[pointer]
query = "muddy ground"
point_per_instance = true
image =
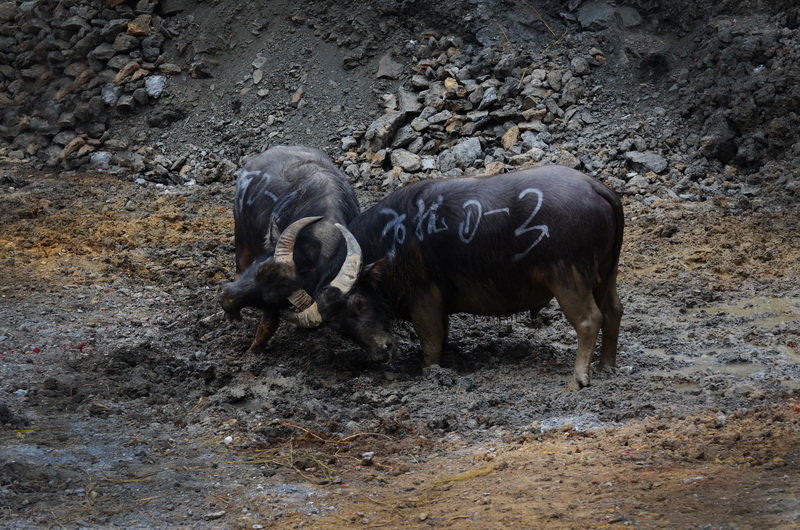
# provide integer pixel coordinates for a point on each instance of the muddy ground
(127, 399)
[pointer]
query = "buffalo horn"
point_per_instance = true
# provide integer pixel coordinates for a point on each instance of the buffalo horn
(284, 248)
(351, 267)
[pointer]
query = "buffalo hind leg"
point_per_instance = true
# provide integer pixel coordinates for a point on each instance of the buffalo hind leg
(583, 314)
(430, 323)
(611, 308)
(266, 329)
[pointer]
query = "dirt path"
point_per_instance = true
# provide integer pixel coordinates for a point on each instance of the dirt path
(125, 398)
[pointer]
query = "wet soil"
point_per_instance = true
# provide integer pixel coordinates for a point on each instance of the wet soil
(126, 398)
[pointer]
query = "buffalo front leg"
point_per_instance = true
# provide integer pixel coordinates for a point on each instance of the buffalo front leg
(583, 314)
(266, 329)
(430, 323)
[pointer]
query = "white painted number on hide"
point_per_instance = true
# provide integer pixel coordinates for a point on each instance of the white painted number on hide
(524, 228)
(435, 223)
(429, 222)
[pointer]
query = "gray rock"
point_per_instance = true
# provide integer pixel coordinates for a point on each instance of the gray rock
(155, 85)
(408, 102)
(348, 142)
(554, 79)
(462, 154)
(440, 117)
(100, 159)
(382, 130)
(419, 124)
(579, 66)
(125, 102)
(103, 52)
(637, 184)
(489, 99)
(646, 161)
(8, 11)
(124, 42)
(405, 135)
(572, 91)
(112, 28)
(601, 14)
(565, 158)
(405, 160)
(110, 94)
(388, 68)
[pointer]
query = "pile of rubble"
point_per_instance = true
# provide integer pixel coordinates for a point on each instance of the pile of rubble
(68, 68)
(485, 110)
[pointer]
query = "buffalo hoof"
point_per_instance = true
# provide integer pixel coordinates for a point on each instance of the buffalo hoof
(578, 382)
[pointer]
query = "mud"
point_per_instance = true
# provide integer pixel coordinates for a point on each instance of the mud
(128, 400)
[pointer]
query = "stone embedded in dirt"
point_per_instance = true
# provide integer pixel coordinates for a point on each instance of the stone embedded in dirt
(140, 26)
(155, 85)
(258, 75)
(600, 14)
(200, 70)
(103, 52)
(565, 158)
(110, 94)
(169, 68)
(388, 68)
(100, 159)
(382, 130)
(297, 98)
(405, 160)
(646, 161)
(124, 42)
(579, 66)
(461, 155)
(510, 138)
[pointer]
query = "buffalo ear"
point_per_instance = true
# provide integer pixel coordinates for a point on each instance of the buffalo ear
(373, 273)
(271, 239)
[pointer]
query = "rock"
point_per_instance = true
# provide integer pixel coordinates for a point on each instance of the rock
(579, 66)
(382, 130)
(646, 161)
(8, 11)
(489, 99)
(408, 102)
(110, 94)
(405, 135)
(510, 138)
(258, 75)
(637, 184)
(112, 28)
(461, 155)
(388, 68)
(554, 79)
(103, 52)
(171, 7)
(100, 159)
(600, 14)
(124, 42)
(155, 85)
(140, 25)
(440, 117)
(405, 160)
(572, 91)
(296, 98)
(140, 96)
(565, 158)
(169, 68)
(125, 103)
(420, 124)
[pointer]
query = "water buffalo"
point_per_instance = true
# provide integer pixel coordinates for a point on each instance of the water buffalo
(278, 193)
(488, 246)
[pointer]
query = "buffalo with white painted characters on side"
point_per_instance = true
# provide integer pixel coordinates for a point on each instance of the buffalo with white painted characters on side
(278, 193)
(492, 245)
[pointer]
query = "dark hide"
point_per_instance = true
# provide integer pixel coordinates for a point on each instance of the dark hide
(284, 184)
(491, 246)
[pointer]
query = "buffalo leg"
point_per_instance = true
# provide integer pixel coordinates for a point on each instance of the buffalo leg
(582, 312)
(430, 322)
(612, 315)
(266, 329)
